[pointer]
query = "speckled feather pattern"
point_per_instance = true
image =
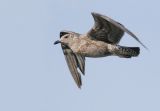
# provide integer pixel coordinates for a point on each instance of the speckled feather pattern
(100, 41)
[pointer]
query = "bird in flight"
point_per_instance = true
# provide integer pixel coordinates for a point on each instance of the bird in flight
(100, 41)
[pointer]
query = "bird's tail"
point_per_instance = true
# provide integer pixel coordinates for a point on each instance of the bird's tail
(126, 52)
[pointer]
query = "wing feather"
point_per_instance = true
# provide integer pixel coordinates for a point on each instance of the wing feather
(74, 61)
(109, 30)
(81, 63)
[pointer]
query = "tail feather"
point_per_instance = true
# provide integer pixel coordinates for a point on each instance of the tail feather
(127, 52)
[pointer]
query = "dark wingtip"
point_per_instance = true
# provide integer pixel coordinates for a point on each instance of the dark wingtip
(145, 47)
(79, 86)
(94, 14)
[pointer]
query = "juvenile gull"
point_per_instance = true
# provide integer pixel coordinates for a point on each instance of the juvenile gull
(102, 40)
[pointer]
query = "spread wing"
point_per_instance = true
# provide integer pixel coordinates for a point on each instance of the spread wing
(108, 30)
(74, 62)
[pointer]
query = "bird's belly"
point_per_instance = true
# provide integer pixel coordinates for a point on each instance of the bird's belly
(94, 51)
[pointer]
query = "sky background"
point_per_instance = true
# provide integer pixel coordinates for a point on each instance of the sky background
(33, 72)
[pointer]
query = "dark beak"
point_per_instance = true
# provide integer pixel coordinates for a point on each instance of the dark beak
(56, 42)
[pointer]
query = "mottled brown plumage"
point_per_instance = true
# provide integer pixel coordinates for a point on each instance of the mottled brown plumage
(102, 40)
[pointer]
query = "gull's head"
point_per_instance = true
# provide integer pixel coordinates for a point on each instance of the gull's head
(66, 38)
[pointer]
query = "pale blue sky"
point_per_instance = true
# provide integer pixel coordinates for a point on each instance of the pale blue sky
(33, 72)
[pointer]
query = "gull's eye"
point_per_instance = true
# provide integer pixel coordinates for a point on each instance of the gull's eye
(66, 37)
